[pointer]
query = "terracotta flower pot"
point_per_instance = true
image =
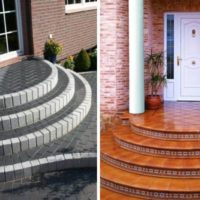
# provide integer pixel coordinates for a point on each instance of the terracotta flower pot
(153, 102)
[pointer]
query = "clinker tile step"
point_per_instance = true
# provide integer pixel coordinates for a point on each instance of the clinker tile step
(135, 162)
(148, 187)
(128, 139)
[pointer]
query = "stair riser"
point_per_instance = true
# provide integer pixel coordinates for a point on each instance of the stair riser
(158, 152)
(166, 135)
(148, 194)
(151, 171)
(44, 165)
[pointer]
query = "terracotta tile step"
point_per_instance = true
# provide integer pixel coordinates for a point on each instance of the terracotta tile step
(111, 195)
(148, 187)
(126, 138)
(112, 154)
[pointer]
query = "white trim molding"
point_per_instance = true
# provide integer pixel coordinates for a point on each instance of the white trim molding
(79, 7)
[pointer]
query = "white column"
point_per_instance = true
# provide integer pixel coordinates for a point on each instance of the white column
(136, 56)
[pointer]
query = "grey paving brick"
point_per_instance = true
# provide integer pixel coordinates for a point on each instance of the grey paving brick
(36, 116)
(31, 140)
(16, 99)
(35, 165)
(2, 103)
(29, 117)
(23, 98)
(2, 174)
(42, 112)
(9, 172)
(27, 168)
(60, 162)
(1, 148)
(58, 129)
(47, 110)
(46, 135)
(18, 171)
(35, 93)
(24, 143)
(21, 119)
(29, 95)
(7, 147)
(8, 101)
(39, 138)
(6, 123)
(14, 121)
(64, 126)
(52, 132)
(15, 145)
(52, 163)
(43, 165)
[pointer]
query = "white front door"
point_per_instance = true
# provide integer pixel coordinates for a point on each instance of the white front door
(187, 56)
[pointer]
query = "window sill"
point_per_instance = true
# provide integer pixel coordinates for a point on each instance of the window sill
(79, 8)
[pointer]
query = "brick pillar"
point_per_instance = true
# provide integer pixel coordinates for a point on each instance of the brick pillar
(136, 56)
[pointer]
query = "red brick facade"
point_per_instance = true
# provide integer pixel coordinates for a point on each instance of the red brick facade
(114, 45)
(74, 31)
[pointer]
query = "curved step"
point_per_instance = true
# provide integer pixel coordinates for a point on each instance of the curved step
(42, 111)
(146, 164)
(63, 123)
(75, 149)
(42, 165)
(174, 120)
(127, 139)
(148, 187)
(30, 91)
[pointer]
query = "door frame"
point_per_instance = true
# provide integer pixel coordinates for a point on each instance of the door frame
(172, 91)
(19, 52)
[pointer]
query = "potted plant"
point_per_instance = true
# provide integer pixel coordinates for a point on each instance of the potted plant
(51, 50)
(155, 64)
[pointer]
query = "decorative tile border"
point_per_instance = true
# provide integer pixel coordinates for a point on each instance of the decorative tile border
(165, 135)
(33, 115)
(32, 93)
(149, 194)
(42, 165)
(158, 152)
(53, 131)
(152, 171)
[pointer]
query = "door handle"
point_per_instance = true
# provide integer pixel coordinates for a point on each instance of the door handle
(178, 60)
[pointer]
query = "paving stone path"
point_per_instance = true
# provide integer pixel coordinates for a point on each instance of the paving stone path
(60, 135)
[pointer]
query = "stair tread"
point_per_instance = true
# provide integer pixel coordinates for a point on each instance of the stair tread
(80, 139)
(58, 89)
(111, 149)
(111, 195)
(147, 182)
(125, 133)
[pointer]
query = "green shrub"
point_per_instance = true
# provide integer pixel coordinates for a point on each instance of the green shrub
(82, 62)
(93, 58)
(69, 63)
(52, 48)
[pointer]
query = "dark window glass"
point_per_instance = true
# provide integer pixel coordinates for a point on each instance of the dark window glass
(11, 22)
(170, 46)
(78, 1)
(9, 5)
(3, 48)
(2, 29)
(70, 1)
(13, 42)
(1, 8)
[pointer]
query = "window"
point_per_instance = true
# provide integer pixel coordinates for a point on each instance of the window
(79, 5)
(8, 27)
(170, 46)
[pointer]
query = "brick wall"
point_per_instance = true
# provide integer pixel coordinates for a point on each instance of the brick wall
(114, 45)
(114, 55)
(74, 31)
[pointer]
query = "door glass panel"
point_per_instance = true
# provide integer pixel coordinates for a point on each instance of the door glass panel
(2, 29)
(13, 42)
(3, 48)
(11, 22)
(170, 47)
(9, 5)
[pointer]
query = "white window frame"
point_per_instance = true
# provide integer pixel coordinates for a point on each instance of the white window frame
(78, 7)
(20, 51)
